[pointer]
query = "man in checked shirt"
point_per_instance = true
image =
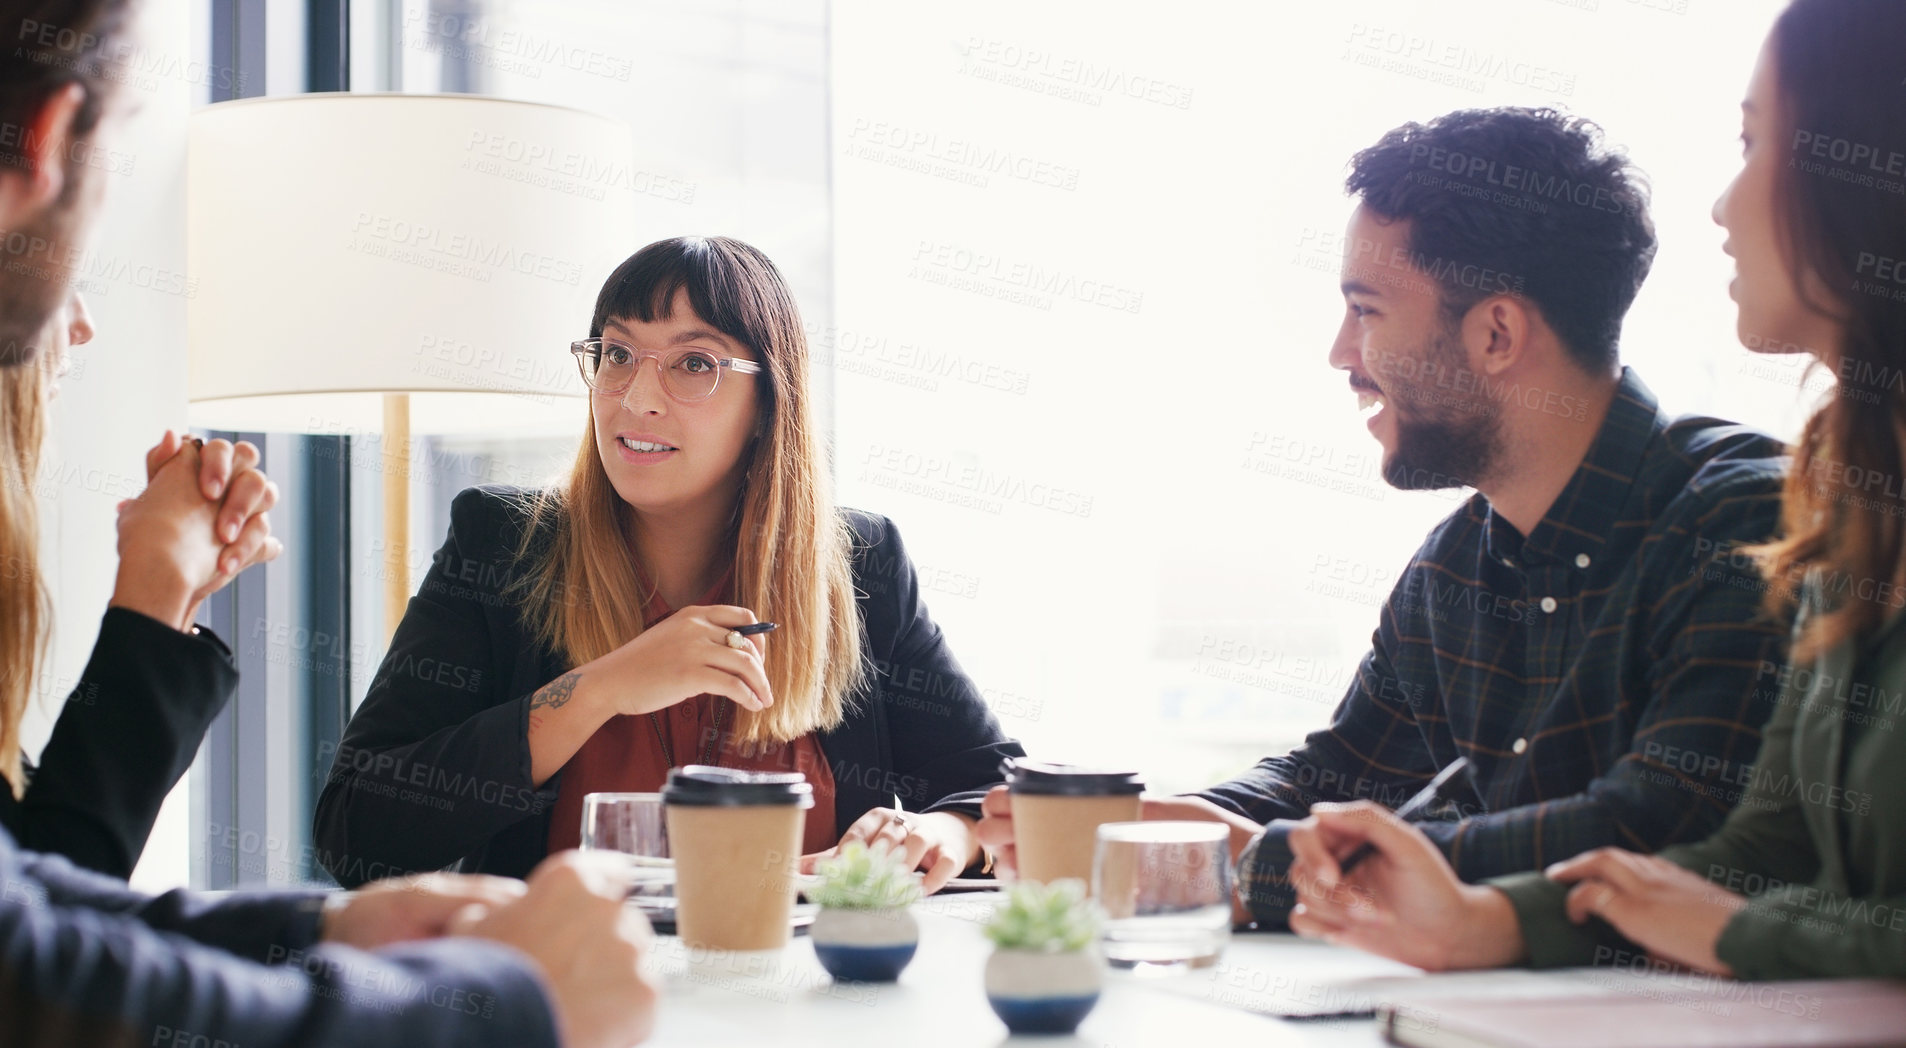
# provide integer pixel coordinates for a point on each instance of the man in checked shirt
(1583, 624)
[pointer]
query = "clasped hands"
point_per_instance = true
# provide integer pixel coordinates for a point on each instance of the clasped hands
(201, 520)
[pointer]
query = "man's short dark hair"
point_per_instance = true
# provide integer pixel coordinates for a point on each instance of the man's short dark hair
(1530, 194)
(48, 44)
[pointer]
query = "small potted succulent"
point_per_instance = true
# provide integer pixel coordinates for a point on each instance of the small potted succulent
(864, 932)
(1045, 973)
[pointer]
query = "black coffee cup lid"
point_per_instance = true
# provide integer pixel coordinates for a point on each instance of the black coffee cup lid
(703, 786)
(1044, 778)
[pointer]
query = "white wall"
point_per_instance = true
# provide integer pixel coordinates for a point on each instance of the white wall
(127, 386)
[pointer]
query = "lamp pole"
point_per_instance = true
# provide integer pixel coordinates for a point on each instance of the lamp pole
(396, 510)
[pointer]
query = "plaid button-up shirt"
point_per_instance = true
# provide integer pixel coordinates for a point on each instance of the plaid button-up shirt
(1607, 676)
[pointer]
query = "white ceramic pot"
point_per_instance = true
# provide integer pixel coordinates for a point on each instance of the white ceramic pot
(1033, 991)
(865, 945)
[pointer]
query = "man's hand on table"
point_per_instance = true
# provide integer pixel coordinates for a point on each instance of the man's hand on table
(404, 909)
(573, 924)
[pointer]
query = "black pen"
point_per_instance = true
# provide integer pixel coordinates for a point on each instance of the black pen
(757, 627)
(1415, 806)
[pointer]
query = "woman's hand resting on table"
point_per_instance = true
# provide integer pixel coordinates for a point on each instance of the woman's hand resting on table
(1672, 912)
(941, 842)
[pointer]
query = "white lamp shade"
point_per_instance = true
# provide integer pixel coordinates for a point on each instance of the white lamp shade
(341, 245)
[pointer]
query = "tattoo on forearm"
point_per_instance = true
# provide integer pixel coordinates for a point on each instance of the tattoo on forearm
(557, 693)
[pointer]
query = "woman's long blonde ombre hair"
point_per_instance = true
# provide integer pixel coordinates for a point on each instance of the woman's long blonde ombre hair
(583, 591)
(25, 609)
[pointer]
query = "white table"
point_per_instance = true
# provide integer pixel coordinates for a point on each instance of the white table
(787, 999)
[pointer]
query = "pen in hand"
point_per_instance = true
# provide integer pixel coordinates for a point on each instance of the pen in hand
(1411, 808)
(757, 627)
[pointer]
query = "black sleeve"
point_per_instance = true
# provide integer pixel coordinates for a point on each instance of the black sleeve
(944, 743)
(436, 760)
(86, 961)
(126, 734)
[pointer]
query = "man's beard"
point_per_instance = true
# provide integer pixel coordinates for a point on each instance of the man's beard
(35, 273)
(1445, 438)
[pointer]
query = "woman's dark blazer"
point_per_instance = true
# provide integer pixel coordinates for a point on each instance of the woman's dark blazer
(124, 738)
(434, 768)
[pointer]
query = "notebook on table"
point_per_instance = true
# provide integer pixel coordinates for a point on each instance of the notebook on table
(1845, 1013)
(1321, 991)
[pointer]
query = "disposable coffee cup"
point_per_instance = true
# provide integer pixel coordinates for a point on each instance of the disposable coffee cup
(736, 839)
(1057, 812)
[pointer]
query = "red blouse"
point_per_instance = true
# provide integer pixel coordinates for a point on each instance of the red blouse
(627, 755)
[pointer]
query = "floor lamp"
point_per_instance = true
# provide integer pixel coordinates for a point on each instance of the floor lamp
(396, 264)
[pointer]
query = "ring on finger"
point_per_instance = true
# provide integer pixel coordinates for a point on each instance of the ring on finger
(1602, 898)
(736, 641)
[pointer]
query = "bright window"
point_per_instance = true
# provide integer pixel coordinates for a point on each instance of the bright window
(1045, 213)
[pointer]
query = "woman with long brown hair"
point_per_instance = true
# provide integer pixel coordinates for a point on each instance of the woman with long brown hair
(137, 713)
(1808, 875)
(583, 638)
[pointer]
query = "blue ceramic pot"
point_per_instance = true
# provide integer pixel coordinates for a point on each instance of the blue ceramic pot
(865, 945)
(1033, 991)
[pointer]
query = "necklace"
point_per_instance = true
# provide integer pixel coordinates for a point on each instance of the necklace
(709, 747)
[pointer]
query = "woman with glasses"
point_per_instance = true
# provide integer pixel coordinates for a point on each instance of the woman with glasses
(1807, 877)
(590, 636)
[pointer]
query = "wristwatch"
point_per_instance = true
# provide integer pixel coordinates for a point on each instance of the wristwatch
(1246, 859)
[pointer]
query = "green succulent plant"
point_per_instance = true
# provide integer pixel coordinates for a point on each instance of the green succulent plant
(863, 878)
(1052, 918)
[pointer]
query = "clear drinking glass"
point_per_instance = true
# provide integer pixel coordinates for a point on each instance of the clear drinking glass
(1165, 888)
(633, 824)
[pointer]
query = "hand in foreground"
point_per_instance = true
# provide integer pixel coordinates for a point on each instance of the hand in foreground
(941, 843)
(406, 908)
(573, 924)
(1672, 912)
(1403, 901)
(995, 832)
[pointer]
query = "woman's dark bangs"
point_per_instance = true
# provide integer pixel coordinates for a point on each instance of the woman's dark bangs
(643, 289)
